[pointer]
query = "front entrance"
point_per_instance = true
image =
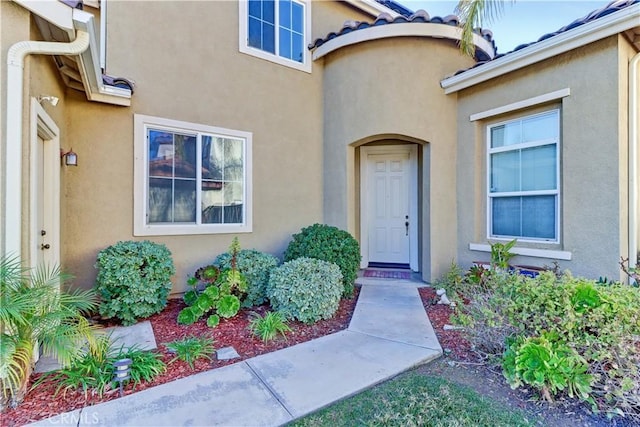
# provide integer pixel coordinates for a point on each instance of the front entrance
(389, 220)
(45, 189)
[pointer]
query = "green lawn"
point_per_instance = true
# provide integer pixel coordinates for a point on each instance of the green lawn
(416, 400)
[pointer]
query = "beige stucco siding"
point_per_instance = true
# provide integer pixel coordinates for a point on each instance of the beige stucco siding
(592, 145)
(190, 69)
(40, 77)
(389, 89)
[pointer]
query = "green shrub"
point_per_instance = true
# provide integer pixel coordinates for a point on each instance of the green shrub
(306, 289)
(256, 267)
(601, 323)
(134, 280)
(269, 326)
(330, 244)
(191, 349)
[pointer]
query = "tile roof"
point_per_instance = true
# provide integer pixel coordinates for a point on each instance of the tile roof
(610, 8)
(418, 17)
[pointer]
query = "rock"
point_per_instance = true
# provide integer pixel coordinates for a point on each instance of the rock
(440, 292)
(451, 328)
(444, 300)
(227, 353)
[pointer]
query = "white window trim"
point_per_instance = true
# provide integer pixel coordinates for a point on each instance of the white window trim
(532, 252)
(556, 192)
(305, 65)
(140, 170)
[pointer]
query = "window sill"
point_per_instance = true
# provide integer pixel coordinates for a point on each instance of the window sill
(532, 252)
(173, 230)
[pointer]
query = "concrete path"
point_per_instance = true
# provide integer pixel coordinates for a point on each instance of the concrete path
(389, 333)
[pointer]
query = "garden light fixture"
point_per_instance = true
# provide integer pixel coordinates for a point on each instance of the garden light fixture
(122, 371)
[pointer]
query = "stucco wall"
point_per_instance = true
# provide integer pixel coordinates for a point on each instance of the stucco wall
(184, 58)
(592, 144)
(384, 88)
(40, 77)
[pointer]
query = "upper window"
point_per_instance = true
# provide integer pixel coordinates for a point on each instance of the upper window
(190, 178)
(276, 30)
(523, 181)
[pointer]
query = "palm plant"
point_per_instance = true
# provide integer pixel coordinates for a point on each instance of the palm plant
(35, 312)
(473, 14)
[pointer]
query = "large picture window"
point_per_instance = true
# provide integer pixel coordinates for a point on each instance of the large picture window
(190, 178)
(276, 30)
(523, 179)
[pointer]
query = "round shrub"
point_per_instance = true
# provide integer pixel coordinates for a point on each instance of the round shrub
(256, 267)
(329, 244)
(306, 289)
(134, 280)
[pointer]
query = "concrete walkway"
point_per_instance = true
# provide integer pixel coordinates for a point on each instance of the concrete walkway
(389, 333)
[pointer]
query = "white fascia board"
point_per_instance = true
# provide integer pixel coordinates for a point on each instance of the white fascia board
(409, 29)
(601, 28)
(55, 12)
(372, 7)
(90, 69)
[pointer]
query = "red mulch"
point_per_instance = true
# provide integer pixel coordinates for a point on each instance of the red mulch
(41, 403)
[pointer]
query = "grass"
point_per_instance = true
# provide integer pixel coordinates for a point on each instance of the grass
(416, 400)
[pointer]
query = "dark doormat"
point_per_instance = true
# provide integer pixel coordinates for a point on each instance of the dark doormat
(387, 274)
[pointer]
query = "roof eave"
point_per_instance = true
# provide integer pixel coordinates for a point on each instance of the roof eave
(372, 7)
(69, 20)
(407, 29)
(590, 32)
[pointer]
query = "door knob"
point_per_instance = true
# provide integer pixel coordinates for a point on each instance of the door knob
(45, 246)
(406, 224)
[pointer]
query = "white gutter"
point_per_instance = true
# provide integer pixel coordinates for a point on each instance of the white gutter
(634, 152)
(12, 237)
(590, 32)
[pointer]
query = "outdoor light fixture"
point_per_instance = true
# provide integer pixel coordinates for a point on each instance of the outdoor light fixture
(70, 158)
(53, 100)
(122, 371)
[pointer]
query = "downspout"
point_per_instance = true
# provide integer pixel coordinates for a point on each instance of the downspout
(634, 137)
(12, 240)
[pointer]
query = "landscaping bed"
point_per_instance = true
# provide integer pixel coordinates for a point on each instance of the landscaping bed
(42, 401)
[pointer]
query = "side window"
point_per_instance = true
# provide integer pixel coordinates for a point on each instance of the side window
(190, 178)
(276, 30)
(523, 179)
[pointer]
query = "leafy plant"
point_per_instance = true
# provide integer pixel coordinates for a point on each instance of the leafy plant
(548, 365)
(600, 323)
(134, 280)
(94, 372)
(501, 254)
(330, 244)
(221, 298)
(256, 267)
(33, 310)
(191, 349)
(267, 327)
(306, 289)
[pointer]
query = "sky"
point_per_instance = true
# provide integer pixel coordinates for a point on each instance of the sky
(522, 21)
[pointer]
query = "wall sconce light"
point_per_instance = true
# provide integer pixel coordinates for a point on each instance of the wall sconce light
(122, 372)
(70, 158)
(53, 100)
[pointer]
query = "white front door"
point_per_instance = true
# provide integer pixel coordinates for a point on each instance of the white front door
(45, 190)
(389, 205)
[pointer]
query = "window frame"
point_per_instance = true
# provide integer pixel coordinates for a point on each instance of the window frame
(243, 17)
(538, 143)
(141, 178)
